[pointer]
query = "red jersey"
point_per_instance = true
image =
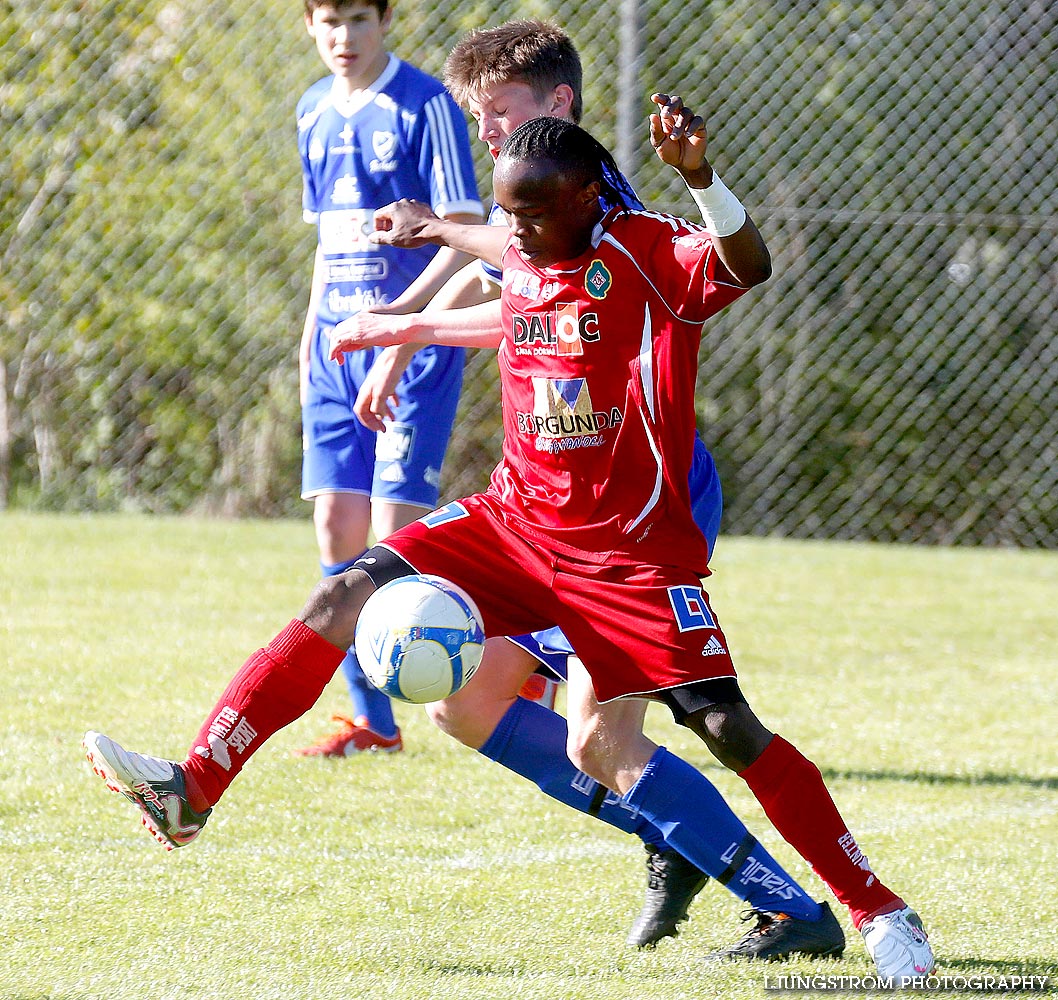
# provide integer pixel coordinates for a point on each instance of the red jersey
(597, 368)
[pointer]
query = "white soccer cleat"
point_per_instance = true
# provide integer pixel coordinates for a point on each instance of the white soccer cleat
(899, 945)
(155, 786)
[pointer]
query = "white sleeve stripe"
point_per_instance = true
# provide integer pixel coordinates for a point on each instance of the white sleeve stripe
(453, 207)
(449, 181)
(455, 172)
(444, 135)
(607, 238)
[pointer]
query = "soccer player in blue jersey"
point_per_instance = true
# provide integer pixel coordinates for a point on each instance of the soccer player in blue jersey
(374, 130)
(505, 76)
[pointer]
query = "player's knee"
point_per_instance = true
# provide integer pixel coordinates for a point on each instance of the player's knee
(452, 720)
(589, 753)
(469, 716)
(327, 518)
(341, 529)
(334, 606)
(733, 734)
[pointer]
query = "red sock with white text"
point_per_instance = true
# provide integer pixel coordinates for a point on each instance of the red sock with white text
(794, 797)
(275, 686)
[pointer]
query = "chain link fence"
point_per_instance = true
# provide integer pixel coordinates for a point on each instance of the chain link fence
(897, 379)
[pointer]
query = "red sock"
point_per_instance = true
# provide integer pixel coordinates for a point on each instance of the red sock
(792, 792)
(275, 686)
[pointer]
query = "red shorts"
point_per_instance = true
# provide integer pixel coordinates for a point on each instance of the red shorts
(637, 629)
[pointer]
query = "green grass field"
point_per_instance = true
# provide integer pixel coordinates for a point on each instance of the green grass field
(922, 681)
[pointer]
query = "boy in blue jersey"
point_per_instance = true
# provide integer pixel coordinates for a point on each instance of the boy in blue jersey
(376, 129)
(505, 76)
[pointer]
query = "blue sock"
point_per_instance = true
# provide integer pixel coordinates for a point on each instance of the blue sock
(368, 701)
(531, 741)
(698, 823)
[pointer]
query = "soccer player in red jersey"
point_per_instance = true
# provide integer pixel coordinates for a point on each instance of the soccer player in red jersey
(586, 523)
(504, 76)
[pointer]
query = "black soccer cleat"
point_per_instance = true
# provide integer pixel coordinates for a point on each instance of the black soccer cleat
(778, 936)
(672, 882)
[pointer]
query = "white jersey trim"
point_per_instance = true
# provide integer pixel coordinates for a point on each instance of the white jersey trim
(452, 207)
(328, 490)
(360, 99)
(447, 174)
(666, 687)
(607, 237)
(656, 494)
(646, 361)
(646, 381)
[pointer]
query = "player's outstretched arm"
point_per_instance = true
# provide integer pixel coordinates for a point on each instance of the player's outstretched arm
(475, 326)
(679, 138)
(411, 224)
(378, 391)
(446, 263)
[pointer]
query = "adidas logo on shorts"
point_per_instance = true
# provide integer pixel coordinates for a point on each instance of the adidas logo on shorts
(714, 647)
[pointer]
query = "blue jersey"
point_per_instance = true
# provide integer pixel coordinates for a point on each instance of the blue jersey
(402, 137)
(619, 181)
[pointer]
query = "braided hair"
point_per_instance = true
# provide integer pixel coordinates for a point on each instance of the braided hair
(570, 147)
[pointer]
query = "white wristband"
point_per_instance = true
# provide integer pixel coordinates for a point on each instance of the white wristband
(722, 212)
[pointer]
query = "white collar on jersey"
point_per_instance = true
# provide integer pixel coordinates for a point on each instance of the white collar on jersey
(603, 224)
(349, 106)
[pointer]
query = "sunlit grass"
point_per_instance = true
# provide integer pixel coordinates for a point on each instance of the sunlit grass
(922, 681)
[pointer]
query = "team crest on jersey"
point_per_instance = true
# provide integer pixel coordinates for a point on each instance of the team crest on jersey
(383, 145)
(561, 332)
(563, 417)
(597, 280)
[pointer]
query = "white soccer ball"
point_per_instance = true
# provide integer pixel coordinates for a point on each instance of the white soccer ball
(419, 638)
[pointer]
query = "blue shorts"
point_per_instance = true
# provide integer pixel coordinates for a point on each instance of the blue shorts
(402, 465)
(551, 647)
(542, 646)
